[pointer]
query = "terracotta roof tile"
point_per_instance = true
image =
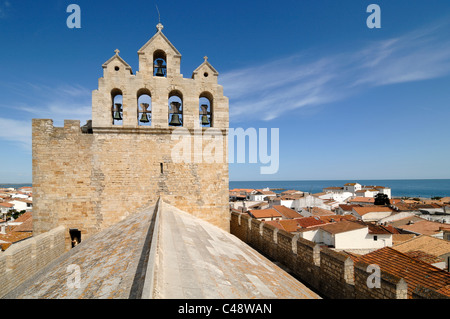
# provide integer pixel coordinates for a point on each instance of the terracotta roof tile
(342, 226)
(363, 200)
(371, 209)
(427, 244)
(425, 227)
(414, 272)
(307, 222)
(286, 212)
(289, 225)
(265, 213)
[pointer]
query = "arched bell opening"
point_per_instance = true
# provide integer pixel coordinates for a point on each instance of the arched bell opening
(206, 109)
(175, 108)
(144, 107)
(117, 107)
(159, 63)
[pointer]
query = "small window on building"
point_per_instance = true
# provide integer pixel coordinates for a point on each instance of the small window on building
(375, 238)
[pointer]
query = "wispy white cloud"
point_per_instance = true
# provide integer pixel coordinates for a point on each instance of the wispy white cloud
(271, 89)
(16, 131)
(42, 101)
(4, 6)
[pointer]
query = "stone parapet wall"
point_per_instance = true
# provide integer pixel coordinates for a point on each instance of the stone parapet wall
(330, 273)
(24, 259)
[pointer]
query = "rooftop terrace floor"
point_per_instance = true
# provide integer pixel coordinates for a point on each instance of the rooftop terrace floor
(193, 260)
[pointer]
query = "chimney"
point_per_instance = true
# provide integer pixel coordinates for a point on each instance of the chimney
(3, 229)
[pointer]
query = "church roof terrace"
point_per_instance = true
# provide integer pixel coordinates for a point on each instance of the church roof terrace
(166, 255)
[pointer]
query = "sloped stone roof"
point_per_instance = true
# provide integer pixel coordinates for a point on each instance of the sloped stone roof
(109, 262)
(193, 260)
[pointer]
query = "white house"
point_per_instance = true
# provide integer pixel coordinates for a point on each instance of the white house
(383, 190)
(352, 187)
(372, 213)
(5, 207)
(349, 235)
(259, 195)
(283, 201)
(366, 193)
(308, 201)
(22, 204)
(19, 195)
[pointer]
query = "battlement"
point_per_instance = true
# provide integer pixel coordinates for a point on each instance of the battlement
(330, 273)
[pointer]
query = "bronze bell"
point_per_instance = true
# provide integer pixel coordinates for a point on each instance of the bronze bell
(175, 120)
(205, 120)
(204, 113)
(117, 110)
(144, 117)
(159, 68)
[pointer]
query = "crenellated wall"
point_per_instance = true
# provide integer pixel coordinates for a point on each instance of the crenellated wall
(24, 259)
(330, 273)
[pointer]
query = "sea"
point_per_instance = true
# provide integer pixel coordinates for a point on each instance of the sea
(422, 188)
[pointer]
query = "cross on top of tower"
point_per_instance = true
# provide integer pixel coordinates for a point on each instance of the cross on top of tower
(159, 27)
(117, 51)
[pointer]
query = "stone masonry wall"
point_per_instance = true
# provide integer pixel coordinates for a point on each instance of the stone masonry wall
(24, 259)
(331, 274)
(92, 181)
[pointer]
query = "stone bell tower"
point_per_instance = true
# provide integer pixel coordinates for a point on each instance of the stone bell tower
(153, 133)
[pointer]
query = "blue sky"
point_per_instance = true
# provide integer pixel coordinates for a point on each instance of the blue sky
(350, 102)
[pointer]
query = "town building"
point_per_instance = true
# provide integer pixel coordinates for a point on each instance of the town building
(349, 235)
(358, 190)
(428, 249)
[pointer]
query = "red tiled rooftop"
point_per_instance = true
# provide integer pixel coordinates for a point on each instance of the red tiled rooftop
(371, 209)
(307, 222)
(265, 213)
(425, 227)
(363, 200)
(343, 226)
(289, 225)
(286, 212)
(414, 272)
